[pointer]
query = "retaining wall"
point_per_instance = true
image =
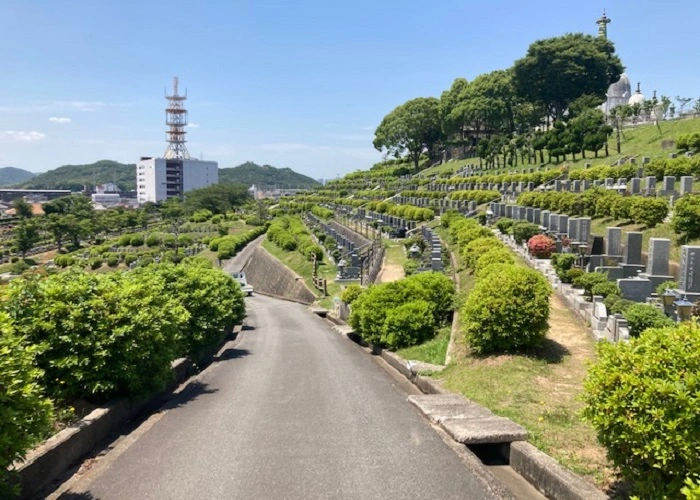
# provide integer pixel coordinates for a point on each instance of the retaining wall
(269, 276)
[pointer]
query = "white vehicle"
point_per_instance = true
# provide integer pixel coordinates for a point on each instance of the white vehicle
(245, 287)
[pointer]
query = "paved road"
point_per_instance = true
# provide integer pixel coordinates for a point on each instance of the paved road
(295, 411)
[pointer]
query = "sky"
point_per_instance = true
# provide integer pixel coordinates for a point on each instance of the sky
(300, 84)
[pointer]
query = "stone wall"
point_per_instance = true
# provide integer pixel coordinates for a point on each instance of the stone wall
(269, 276)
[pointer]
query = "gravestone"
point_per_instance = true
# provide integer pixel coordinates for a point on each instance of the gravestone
(636, 185)
(545, 218)
(597, 245)
(613, 238)
(572, 230)
(536, 216)
(576, 186)
(563, 224)
(554, 223)
(633, 249)
(659, 253)
(530, 214)
(650, 183)
(635, 289)
(686, 185)
(669, 185)
(584, 229)
(689, 280)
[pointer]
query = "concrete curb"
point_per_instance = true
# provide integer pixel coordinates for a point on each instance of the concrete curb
(59, 453)
(538, 468)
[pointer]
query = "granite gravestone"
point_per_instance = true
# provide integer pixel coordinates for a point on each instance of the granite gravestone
(613, 241)
(689, 281)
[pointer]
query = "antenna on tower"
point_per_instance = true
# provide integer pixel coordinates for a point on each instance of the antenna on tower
(176, 120)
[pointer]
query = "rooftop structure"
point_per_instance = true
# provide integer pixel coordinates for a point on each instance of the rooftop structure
(176, 120)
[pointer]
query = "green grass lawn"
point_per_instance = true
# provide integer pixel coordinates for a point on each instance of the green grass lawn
(433, 351)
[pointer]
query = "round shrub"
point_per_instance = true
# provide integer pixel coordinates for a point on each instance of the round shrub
(125, 240)
(434, 288)
(640, 317)
(620, 306)
(523, 230)
(641, 397)
(153, 240)
(410, 267)
(25, 413)
(169, 240)
(541, 246)
(409, 324)
(112, 261)
(494, 256)
(686, 216)
(351, 293)
(217, 219)
(129, 258)
(136, 240)
(95, 263)
(588, 280)
(508, 313)
(476, 248)
(503, 224)
(572, 274)
(605, 289)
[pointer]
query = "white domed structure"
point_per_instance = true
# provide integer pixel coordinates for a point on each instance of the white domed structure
(637, 98)
(619, 93)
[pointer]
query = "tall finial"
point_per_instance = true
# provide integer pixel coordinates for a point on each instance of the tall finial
(639, 87)
(603, 26)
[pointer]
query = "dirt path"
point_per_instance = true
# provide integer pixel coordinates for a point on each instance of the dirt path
(390, 272)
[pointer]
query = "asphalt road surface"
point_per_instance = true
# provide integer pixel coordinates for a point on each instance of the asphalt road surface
(294, 411)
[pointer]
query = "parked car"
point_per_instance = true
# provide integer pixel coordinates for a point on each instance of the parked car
(245, 287)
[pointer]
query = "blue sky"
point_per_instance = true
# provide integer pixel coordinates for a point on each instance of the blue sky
(300, 84)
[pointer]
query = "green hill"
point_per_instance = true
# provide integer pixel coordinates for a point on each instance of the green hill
(250, 173)
(74, 177)
(12, 175)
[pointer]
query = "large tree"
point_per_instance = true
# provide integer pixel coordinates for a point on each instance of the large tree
(413, 128)
(556, 71)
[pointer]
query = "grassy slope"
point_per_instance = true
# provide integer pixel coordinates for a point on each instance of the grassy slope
(644, 140)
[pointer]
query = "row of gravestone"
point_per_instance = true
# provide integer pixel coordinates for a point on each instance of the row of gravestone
(636, 186)
(606, 254)
(392, 221)
(349, 266)
(441, 205)
(435, 246)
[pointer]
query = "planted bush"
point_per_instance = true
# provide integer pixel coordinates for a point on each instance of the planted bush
(498, 255)
(605, 289)
(136, 240)
(641, 317)
(588, 280)
(351, 293)
(541, 246)
(507, 310)
(504, 225)
(523, 230)
(641, 397)
(409, 324)
(25, 413)
(153, 240)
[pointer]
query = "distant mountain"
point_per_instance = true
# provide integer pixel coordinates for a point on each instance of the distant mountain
(74, 177)
(12, 175)
(250, 173)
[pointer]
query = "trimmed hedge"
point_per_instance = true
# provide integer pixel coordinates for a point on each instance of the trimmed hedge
(642, 398)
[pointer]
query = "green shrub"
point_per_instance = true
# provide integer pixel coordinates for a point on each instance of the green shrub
(169, 240)
(436, 289)
(351, 293)
(523, 230)
(588, 280)
(125, 240)
(129, 258)
(201, 215)
(410, 267)
(95, 264)
(88, 326)
(217, 219)
(641, 397)
(666, 285)
(562, 263)
(476, 248)
(136, 240)
(153, 240)
(112, 261)
(572, 274)
(506, 313)
(504, 225)
(648, 211)
(643, 316)
(620, 306)
(498, 255)
(610, 300)
(25, 413)
(605, 289)
(409, 324)
(185, 240)
(686, 216)
(19, 267)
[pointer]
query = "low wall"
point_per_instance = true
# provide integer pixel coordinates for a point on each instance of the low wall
(269, 276)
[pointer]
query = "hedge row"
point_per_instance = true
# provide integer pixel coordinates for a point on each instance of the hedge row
(673, 167)
(75, 335)
(508, 308)
(228, 246)
(602, 172)
(406, 211)
(321, 212)
(404, 312)
(599, 202)
(536, 177)
(478, 195)
(290, 234)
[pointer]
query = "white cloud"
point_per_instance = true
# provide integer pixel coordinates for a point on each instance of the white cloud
(24, 136)
(59, 119)
(193, 125)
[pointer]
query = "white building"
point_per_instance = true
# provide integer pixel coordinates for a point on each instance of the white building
(106, 198)
(158, 179)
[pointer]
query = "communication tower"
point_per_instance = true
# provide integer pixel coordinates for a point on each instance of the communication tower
(176, 120)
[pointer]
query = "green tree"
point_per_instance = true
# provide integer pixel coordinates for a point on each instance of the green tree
(557, 71)
(23, 210)
(217, 198)
(413, 128)
(173, 212)
(57, 226)
(26, 235)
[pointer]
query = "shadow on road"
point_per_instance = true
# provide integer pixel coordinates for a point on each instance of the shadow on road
(193, 392)
(551, 352)
(232, 353)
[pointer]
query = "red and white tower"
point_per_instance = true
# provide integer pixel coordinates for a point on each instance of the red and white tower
(176, 120)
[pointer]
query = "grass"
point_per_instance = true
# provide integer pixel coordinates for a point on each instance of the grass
(432, 351)
(304, 268)
(644, 140)
(394, 254)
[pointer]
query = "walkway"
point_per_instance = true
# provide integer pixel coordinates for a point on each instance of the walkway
(295, 410)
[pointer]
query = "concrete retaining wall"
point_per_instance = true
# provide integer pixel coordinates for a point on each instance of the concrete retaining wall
(269, 276)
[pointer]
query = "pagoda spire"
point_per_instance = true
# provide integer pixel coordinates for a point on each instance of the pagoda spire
(603, 26)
